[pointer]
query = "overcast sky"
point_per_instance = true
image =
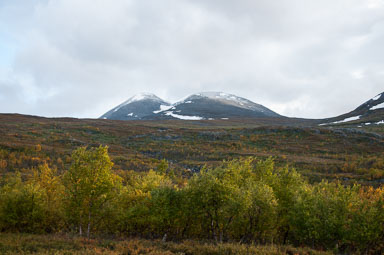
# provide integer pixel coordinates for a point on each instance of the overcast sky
(80, 58)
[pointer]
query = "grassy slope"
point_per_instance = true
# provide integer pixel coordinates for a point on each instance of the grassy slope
(51, 244)
(139, 145)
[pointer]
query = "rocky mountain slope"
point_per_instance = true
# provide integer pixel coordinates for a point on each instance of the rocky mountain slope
(369, 113)
(223, 106)
(201, 106)
(136, 108)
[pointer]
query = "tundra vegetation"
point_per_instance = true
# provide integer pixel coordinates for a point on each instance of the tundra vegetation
(244, 201)
(317, 153)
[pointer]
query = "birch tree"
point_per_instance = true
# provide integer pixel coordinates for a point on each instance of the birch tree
(89, 185)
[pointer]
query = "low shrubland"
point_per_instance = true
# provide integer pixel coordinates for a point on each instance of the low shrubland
(245, 201)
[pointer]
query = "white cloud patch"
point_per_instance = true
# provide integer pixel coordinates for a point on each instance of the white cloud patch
(300, 58)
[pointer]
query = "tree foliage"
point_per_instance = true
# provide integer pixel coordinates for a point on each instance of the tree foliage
(244, 200)
(89, 186)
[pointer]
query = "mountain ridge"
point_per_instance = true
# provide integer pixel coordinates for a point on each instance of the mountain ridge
(219, 105)
(370, 112)
(199, 106)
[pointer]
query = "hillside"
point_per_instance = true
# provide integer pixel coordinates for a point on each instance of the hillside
(368, 114)
(317, 152)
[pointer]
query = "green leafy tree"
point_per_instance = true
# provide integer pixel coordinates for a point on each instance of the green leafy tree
(136, 216)
(257, 221)
(216, 197)
(52, 191)
(89, 186)
(365, 229)
(166, 205)
(286, 184)
(322, 216)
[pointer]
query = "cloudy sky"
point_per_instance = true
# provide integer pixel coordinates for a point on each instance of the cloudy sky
(80, 58)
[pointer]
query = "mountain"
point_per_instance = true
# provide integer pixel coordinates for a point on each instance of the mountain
(369, 113)
(136, 107)
(205, 105)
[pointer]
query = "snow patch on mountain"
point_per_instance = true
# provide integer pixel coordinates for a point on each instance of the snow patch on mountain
(376, 97)
(138, 97)
(226, 97)
(342, 121)
(163, 108)
(142, 96)
(379, 106)
(183, 117)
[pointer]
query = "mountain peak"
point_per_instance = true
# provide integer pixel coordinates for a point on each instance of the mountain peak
(203, 105)
(136, 107)
(230, 100)
(220, 96)
(143, 96)
(213, 95)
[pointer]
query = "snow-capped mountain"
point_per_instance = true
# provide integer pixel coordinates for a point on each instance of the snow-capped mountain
(369, 113)
(136, 107)
(216, 105)
(206, 105)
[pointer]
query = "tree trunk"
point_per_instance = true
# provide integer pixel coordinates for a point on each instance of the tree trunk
(89, 224)
(184, 230)
(213, 231)
(221, 236)
(90, 206)
(80, 230)
(285, 237)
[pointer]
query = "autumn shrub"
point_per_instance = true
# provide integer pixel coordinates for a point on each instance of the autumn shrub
(343, 218)
(244, 201)
(21, 207)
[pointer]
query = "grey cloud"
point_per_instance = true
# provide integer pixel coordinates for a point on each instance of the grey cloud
(300, 58)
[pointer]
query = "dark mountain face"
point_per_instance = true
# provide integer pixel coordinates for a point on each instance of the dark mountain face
(135, 108)
(208, 105)
(369, 113)
(216, 105)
